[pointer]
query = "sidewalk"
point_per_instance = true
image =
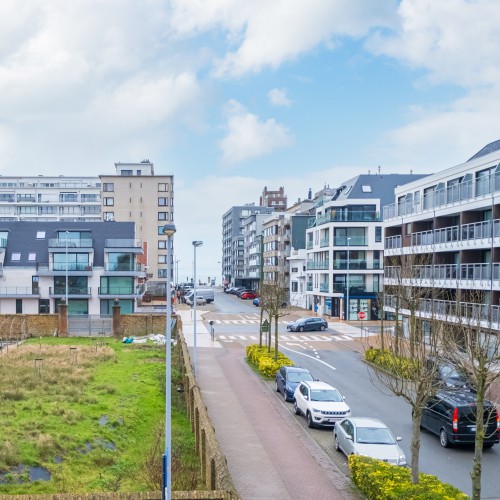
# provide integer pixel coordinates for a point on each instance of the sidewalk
(268, 452)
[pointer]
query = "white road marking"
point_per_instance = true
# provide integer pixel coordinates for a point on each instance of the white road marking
(309, 356)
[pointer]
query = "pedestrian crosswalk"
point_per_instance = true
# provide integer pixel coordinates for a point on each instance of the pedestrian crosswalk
(292, 338)
(243, 322)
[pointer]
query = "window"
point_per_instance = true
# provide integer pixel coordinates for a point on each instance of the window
(295, 286)
(43, 306)
(16, 256)
(162, 273)
(109, 216)
(162, 215)
(108, 187)
(366, 189)
(162, 187)
(32, 256)
(19, 306)
(40, 235)
(108, 202)
(126, 173)
(163, 202)
(162, 244)
(378, 234)
(162, 259)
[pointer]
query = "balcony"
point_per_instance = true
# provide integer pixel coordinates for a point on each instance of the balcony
(318, 265)
(358, 241)
(324, 242)
(73, 291)
(393, 242)
(324, 287)
(118, 291)
(342, 216)
(309, 286)
(59, 268)
(19, 291)
(353, 264)
(117, 245)
(71, 243)
(309, 244)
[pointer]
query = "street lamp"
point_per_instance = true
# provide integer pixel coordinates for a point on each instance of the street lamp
(168, 230)
(347, 281)
(67, 303)
(195, 244)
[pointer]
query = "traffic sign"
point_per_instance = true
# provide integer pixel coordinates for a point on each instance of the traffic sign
(265, 326)
(361, 315)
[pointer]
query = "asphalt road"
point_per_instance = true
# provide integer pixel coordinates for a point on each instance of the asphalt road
(340, 364)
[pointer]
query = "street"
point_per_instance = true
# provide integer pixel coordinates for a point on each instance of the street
(337, 358)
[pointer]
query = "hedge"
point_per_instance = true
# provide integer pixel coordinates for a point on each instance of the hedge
(264, 360)
(381, 481)
(405, 367)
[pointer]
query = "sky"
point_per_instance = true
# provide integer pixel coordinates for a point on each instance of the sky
(230, 96)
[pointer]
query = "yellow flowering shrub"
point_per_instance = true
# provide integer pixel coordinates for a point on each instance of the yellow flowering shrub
(381, 481)
(264, 361)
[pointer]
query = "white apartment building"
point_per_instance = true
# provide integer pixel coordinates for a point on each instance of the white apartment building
(298, 275)
(345, 246)
(453, 217)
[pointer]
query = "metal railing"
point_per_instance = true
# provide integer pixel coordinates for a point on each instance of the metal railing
(72, 290)
(70, 242)
(122, 243)
(315, 265)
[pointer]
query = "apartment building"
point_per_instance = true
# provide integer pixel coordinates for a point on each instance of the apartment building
(233, 244)
(135, 194)
(298, 275)
(50, 198)
(345, 246)
(277, 200)
(89, 263)
(453, 219)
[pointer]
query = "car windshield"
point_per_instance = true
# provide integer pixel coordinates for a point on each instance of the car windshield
(326, 395)
(299, 376)
(450, 372)
(374, 435)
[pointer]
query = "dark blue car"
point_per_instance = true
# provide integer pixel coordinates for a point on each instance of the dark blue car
(288, 378)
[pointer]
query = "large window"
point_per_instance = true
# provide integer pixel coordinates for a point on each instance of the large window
(163, 202)
(108, 202)
(126, 306)
(356, 236)
(77, 285)
(117, 285)
(76, 261)
(162, 186)
(108, 186)
(120, 261)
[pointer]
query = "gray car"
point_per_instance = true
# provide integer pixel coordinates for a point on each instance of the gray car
(369, 437)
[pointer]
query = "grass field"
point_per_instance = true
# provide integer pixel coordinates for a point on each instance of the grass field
(92, 416)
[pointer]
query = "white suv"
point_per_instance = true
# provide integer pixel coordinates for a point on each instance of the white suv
(321, 403)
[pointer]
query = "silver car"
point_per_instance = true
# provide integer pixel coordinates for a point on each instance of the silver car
(369, 437)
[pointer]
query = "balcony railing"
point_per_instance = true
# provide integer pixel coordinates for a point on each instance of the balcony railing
(72, 266)
(116, 290)
(71, 243)
(318, 265)
(350, 216)
(341, 241)
(353, 264)
(309, 244)
(123, 267)
(72, 290)
(19, 290)
(122, 243)
(309, 286)
(479, 271)
(324, 287)
(324, 242)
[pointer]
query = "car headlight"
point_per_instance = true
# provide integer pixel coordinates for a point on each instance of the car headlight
(316, 410)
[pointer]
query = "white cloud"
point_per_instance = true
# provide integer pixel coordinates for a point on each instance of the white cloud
(248, 137)
(456, 41)
(278, 97)
(267, 34)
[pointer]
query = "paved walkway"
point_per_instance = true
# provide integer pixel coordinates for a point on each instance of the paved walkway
(269, 454)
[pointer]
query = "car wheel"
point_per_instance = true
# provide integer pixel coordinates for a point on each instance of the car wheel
(322, 328)
(277, 387)
(296, 409)
(285, 397)
(310, 422)
(443, 439)
(301, 328)
(336, 442)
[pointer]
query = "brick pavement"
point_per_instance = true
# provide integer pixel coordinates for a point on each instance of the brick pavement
(269, 454)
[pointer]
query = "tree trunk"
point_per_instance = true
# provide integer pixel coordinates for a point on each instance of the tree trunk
(276, 338)
(415, 442)
(478, 445)
(260, 326)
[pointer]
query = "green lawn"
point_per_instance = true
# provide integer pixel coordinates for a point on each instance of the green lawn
(93, 416)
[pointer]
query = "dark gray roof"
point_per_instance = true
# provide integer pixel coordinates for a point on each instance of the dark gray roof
(489, 148)
(381, 186)
(22, 238)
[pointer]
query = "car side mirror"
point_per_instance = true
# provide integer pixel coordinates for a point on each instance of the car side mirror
(349, 437)
(343, 398)
(306, 398)
(398, 439)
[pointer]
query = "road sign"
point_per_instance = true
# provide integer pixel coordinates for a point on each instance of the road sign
(265, 326)
(361, 315)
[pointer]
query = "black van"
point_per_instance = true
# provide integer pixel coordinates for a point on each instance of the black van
(452, 416)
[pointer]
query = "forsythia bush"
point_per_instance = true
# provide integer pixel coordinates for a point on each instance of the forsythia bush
(264, 361)
(380, 481)
(405, 367)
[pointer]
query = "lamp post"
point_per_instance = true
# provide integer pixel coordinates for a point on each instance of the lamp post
(66, 241)
(168, 230)
(347, 281)
(195, 244)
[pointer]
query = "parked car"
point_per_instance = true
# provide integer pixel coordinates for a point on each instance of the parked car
(322, 404)
(206, 293)
(256, 302)
(237, 289)
(307, 324)
(229, 289)
(369, 437)
(448, 376)
(248, 294)
(452, 416)
(288, 378)
(200, 301)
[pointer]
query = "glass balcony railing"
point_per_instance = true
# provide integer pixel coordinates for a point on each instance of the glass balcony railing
(123, 267)
(324, 287)
(72, 290)
(318, 265)
(116, 290)
(72, 266)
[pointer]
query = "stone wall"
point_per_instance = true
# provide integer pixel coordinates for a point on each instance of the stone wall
(35, 325)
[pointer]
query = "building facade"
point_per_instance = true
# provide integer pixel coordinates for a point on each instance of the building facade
(450, 222)
(345, 246)
(89, 263)
(233, 244)
(277, 200)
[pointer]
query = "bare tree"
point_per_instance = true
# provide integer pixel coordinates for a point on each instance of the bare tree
(474, 346)
(416, 345)
(274, 298)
